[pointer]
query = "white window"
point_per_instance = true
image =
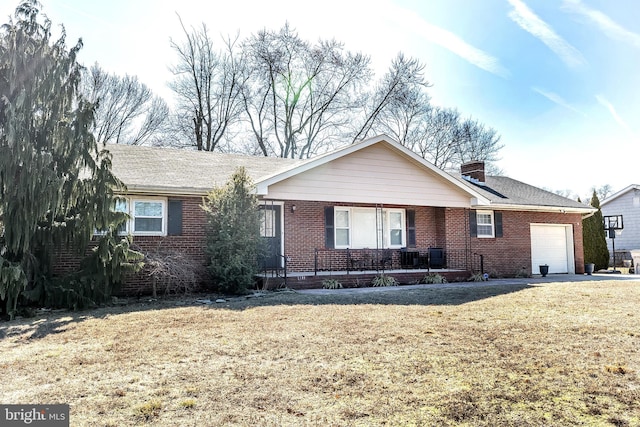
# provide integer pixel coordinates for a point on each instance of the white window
(359, 228)
(342, 227)
(484, 220)
(148, 217)
(122, 205)
(396, 228)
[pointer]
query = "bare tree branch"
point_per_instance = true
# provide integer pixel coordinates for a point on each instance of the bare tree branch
(207, 85)
(404, 78)
(301, 93)
(126, 112)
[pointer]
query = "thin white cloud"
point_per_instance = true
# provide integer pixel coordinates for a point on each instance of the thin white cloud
(605, 103)
(530, 22)
(557, 99)
(606, 24)
(451, 42)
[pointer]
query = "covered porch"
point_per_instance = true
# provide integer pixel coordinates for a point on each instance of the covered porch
(357, 267)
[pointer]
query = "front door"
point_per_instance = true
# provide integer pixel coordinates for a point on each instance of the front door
(271, 231)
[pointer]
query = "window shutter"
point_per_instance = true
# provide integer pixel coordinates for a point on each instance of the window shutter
(174, 219)
(497, 218)
(473, 224)
(329, 235)
(411, 228)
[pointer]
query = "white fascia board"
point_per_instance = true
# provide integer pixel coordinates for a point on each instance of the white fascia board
(540, 208)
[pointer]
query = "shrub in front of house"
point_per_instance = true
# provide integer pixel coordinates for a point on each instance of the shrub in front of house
(384, 280)
(477, 277)
(434, 278)
(233, 234)
(331, 284)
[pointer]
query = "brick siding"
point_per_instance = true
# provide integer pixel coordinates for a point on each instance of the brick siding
(304, 231)
(191, 243)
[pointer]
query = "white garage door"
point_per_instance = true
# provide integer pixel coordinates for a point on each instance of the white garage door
(552, 245)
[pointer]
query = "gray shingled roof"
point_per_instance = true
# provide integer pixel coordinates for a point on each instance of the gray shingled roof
(501, 190)
(186, 171)
(180, 171)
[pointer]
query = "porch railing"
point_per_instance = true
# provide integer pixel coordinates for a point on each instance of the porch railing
(351, 260)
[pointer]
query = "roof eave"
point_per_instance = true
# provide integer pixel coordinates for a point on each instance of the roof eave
(164, 191)
(541, 208)
(620, 193)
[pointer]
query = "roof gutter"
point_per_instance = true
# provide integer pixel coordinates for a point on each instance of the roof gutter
(165, 191)
(540, 208)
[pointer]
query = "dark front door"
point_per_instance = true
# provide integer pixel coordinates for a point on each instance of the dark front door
(271, 231)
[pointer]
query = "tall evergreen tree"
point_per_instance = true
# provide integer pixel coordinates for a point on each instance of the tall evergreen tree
(594, 239)
(56, 185)
(233, 234)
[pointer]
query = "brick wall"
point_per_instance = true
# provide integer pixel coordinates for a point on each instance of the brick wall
(511, 254)
(437, 227)
(191, 243)
(304, 230)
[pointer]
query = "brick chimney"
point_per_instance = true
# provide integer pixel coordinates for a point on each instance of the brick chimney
(473, 170)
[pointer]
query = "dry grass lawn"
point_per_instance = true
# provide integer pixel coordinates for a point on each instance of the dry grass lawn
(550, 355)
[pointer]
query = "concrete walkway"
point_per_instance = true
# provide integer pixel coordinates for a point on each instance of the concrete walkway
(535, 280)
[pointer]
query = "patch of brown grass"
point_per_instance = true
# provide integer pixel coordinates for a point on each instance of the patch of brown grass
(556, 354)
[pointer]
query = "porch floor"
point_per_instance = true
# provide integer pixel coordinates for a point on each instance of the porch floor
(352, 279)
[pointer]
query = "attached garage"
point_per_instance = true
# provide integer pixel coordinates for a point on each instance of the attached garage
(552, 244)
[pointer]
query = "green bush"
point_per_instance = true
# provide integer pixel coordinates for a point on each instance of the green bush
(478, 277)
(432, 278)
(233, 234)
(384, 280)
(331, 284)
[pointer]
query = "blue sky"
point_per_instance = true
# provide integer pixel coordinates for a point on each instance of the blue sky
(559, 80)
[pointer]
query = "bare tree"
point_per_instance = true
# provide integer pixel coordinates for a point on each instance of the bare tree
(603, 191)
(405, 117)
(400, 87)
(439, 143)
(300, 94)
(298, 99)
(256, 96)
(477, 142)
(127, 112)
(207, 85)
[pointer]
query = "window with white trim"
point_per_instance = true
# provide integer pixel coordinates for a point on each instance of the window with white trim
(359, 228)
(122, 205)
(342, 227)
(396, 227)
(148, 217)
(485, 223)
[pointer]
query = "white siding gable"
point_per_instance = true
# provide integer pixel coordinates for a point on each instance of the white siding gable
(627, 205)
(375, 174)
